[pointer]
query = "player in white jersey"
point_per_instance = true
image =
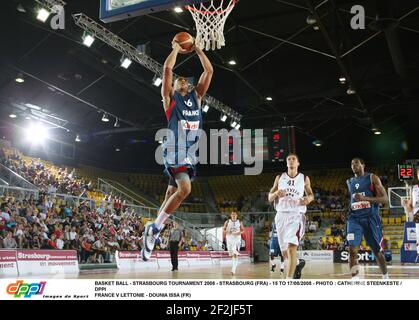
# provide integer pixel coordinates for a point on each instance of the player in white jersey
(233, 229)
(411, 207)
(291, 193)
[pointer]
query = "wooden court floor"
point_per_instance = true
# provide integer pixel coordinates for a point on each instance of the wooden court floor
(313, 270)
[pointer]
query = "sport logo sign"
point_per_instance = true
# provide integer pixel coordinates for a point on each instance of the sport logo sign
(27, 290)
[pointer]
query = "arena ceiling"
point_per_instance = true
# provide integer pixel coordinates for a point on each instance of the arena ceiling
(278, 55)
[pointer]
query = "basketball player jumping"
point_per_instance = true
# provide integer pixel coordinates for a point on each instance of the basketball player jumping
(366, 192)
(183, 112)
(233, 229)
(274, 249)
(287, 194)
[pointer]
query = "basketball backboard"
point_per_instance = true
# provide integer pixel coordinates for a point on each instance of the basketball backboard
(114, 10)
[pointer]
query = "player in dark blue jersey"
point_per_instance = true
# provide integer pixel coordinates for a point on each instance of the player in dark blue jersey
(366, 193)
(182, 107)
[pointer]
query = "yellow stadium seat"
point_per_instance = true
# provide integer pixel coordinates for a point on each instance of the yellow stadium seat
(328, 231)
(385, 221)
(391, 220)
(399, 244)
(398, 220)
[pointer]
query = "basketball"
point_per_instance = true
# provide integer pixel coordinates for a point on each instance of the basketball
(185, 40)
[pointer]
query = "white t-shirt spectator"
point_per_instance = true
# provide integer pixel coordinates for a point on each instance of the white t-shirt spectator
(6, 216)
(73, 235)
(60, 244)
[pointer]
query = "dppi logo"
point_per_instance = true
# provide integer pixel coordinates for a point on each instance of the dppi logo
(27, 290)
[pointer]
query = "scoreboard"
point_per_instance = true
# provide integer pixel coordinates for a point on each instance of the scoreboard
(406, 171)
(277, 144)
(281, 142)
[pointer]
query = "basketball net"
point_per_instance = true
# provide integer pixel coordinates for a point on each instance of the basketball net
(210, 21)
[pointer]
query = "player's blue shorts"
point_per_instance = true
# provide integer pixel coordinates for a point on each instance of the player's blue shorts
(369, 227)
(175, 163)
(274, 249)
(171, 172)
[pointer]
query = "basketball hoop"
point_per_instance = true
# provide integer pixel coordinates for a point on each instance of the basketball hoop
(210, 21)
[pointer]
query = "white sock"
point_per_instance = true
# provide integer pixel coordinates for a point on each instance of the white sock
(385, 276)
(283, 265)
(298, 262)
(234, 265)
(161, 219)
(272, 262)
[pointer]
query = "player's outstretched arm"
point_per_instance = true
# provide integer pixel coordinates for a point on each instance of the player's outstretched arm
(167, 84)
(309, 197)
(205, 79)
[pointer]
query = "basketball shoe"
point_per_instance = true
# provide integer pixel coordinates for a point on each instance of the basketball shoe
(300, 266)
(151, 233)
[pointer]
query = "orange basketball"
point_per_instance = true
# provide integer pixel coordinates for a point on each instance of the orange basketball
(185, 40)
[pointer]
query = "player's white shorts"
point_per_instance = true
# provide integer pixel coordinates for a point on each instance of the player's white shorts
(233, 245)
(290, 229)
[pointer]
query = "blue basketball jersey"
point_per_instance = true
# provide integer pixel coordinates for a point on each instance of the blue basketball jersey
(364, 186)
(184, 118)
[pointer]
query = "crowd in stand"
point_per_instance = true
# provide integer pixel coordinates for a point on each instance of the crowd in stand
(50, 223)
(44, 178)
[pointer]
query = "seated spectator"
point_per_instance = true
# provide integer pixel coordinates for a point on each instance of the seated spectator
(312, 227)
(9, 242)
(52, 243)
(113, 244)
(100, 248)
(5, 214)
(60, 242)
(86, 250)
(35, 243)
